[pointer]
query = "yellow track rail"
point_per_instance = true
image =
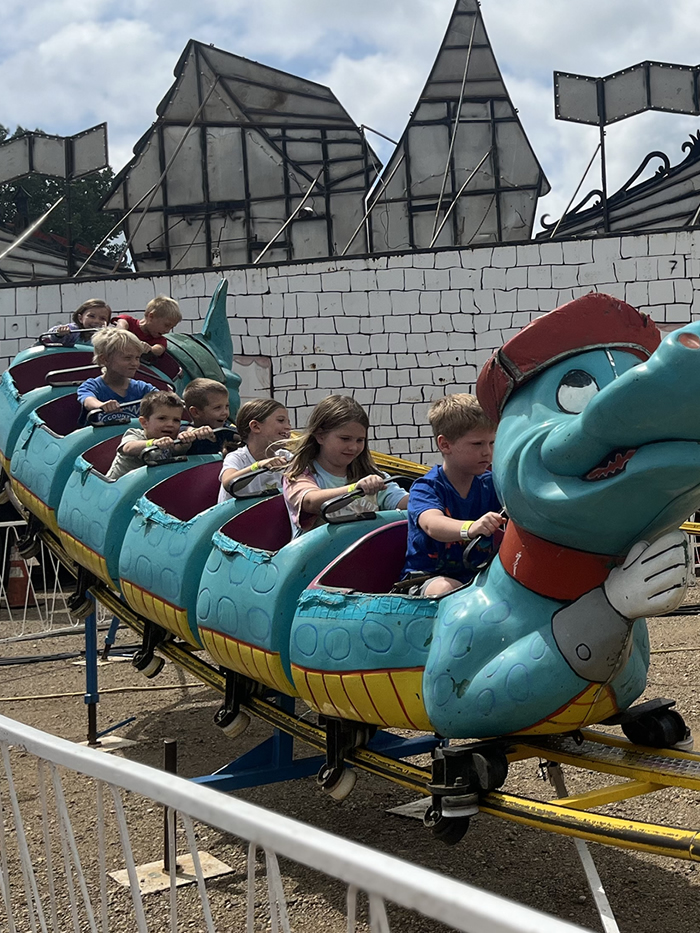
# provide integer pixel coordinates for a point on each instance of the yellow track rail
(647, 770)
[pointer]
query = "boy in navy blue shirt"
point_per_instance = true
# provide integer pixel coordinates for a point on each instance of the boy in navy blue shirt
(455, 502)
(119, 354)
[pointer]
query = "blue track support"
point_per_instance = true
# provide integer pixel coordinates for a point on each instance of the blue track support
(92, 696)
(111, 636)
(273, 760)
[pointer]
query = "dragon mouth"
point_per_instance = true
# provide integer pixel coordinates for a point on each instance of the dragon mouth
(613, 464)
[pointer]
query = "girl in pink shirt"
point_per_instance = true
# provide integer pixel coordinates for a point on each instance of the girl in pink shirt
(332, 459)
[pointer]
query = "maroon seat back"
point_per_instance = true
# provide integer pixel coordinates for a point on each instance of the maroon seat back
(73, 375)
(167, 365)
(371, 565)
(31, 373)
(60, 415)
(102, 455)
(188, 493)
(147, 376)
(264, 526)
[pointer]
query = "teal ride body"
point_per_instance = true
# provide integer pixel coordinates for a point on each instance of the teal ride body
(597, 462)
(97, 512)
(15, 406)
(250, 594)
(164, 555)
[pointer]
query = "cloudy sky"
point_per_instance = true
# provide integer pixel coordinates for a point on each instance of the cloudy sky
(68, 64)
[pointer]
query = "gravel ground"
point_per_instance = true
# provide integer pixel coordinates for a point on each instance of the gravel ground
(647, 893)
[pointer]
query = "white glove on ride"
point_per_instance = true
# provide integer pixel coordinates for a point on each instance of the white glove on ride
(653, 578)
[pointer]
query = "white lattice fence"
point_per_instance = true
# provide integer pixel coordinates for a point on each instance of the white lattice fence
(69, 815)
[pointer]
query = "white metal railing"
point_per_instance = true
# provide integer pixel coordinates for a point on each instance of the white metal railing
(42, 608)
(31, 885)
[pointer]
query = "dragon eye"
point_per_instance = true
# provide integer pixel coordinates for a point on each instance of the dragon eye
(575, 391)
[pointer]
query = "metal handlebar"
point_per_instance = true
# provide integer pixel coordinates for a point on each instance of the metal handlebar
(340, 502)
(487, 557)
(112, 417)
(80, 330)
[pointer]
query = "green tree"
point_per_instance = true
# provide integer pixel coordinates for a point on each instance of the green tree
(88, 223)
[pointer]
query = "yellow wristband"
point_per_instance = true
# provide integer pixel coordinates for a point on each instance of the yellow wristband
(352, 487)
(254, 466)
(464, 530)
(150, 442)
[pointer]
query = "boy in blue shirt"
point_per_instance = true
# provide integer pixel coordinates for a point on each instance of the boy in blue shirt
(119, 354)
(454, 502)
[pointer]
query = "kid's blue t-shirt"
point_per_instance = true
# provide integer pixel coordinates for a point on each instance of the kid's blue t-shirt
(102, 392)
(435, 491)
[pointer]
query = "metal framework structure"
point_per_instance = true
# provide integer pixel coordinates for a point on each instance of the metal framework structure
(668, 199)
(235, 149)
(464, 171)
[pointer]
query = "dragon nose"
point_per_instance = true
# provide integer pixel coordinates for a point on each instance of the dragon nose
(691, 341)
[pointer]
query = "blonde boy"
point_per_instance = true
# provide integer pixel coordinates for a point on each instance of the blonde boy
(119, 354)
(454, 502)
(159, 318)
(160, 418)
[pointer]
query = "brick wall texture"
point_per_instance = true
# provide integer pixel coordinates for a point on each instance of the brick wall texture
(395, 331)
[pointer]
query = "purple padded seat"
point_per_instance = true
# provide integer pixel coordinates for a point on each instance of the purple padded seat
(31, 373)
(166, 364)
(187, 494)
(60, 415)
(264, 526)
(371, 565)
(102, 455)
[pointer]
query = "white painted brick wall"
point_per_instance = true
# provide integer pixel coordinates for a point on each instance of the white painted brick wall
(395, 331)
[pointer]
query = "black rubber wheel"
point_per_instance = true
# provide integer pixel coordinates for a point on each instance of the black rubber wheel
(231, 724)
(447, 831)
(148, 666)
(28, 547)
(657, 730)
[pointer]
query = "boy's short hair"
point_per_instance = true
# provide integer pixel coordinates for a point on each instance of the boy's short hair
(161, 399)
(454, 415)
(110, 340)
(166, 308)
(198, 392)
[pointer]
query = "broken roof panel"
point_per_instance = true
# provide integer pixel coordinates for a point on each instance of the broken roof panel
(242, 144)
(464, 154)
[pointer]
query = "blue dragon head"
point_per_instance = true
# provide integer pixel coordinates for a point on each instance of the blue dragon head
(597, 461)
(598, 442)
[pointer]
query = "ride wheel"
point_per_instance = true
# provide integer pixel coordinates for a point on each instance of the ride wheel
(449, 830)
(663, 728)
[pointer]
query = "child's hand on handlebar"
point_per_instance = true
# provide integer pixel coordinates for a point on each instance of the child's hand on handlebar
(111, 405)
(370, 484)
(272, 463)
(486, 525)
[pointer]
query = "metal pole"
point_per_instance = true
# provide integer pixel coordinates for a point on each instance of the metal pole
(291, 216)
(28, 232)
(604, 181)
(369, 210)
(170, 767)
(454, 130)
(92, 696)
(605, 912)
(459, 194)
